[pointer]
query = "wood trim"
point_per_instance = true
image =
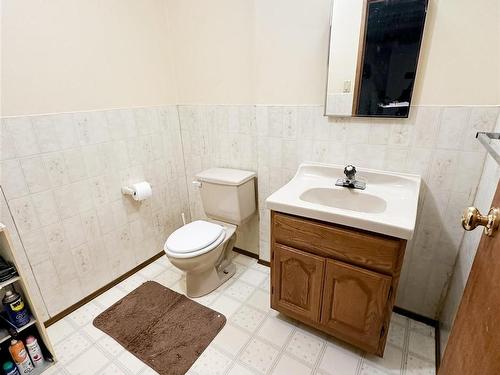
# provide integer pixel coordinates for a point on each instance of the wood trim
(361, 58)
(415, 316)
(245, 252)
(264, 262)
(101, 290)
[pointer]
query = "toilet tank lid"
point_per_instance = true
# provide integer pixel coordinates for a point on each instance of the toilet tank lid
(225, 176)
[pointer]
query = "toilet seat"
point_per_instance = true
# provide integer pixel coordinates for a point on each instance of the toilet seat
(194, 239)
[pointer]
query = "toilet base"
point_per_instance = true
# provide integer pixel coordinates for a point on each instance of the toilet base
(200, 284)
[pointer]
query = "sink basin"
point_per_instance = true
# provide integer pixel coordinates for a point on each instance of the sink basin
(388, 205)
(346, 199)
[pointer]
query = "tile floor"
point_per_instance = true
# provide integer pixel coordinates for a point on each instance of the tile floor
(255, 339)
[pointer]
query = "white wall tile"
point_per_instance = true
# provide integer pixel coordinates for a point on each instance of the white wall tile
(35, 174)
(14, 183)
(22, 135)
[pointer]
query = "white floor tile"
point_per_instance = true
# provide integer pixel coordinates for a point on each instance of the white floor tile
(396, 335)
(168, 277)
(253, 277)
(391, 363)
(266, 285)
(110, 346)
(244, 260)
(92, 332)
(239, 290)
(305, 346)
(275, 330)
(130, 362)
(419, 366)
(71, 347)
(422, 328)
(400, 319)
(248, 318)
(132, 282)
(84, 314)
(231, 339)
(59, 330)
(110, 297)
(260, 300)
(89, 362)
(238, 369)
(422, 345)
(367, 369)
(225, 305)
(340, 359)
(211, 362)
(289, 366)
(163, 261)
(150, 271)
(111, 369)
(259, 355)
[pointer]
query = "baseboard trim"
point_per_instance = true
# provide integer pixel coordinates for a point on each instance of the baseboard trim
(431, 322)
(415, 316)
(101, 290)
(264, 262)
(245, 252)
(252, 255)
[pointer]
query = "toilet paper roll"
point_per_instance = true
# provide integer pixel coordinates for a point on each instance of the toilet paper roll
(142, 190)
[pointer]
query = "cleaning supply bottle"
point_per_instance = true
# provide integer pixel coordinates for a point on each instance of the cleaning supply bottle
(34, 351)
(10, 369)
(16, 311)
(21, 357)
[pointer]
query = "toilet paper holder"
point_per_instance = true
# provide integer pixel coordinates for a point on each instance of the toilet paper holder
(138, 191)
(126, 190)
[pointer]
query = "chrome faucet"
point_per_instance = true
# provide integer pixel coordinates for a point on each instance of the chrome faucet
(350, 179)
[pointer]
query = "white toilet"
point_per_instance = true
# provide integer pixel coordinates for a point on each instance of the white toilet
(203, 248)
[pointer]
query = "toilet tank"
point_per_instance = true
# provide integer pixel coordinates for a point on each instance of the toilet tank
(227, 194)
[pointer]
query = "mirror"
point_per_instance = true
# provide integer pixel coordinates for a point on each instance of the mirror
(373, 56)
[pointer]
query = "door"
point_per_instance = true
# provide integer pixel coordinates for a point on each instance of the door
(354, 303)
(297, 281)
(474, 343)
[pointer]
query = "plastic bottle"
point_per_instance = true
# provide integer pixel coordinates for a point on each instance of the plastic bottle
(21, 357)
(10, 369)
(34, 351)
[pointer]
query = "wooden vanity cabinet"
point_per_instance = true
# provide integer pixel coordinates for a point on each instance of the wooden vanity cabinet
(337, 279)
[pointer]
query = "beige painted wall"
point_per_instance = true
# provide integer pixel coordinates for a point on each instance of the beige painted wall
(68, 55)
(81, 55)
(460, 60)
(263, 52)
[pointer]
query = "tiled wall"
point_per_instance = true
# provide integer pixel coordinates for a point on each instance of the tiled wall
(485, 192)
(62, 175)
(436, 142)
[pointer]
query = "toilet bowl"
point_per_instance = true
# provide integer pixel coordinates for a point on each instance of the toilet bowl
(203, 250)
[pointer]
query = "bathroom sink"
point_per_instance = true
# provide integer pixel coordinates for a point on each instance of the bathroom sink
(388, 205)
(347, 199)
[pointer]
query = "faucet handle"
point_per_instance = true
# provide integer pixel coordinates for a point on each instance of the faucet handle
(350, 172)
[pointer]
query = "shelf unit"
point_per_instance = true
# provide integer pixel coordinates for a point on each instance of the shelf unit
(35, 323)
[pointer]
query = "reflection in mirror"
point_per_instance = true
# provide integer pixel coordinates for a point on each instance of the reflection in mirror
(389, 62)
(373, 55)
(342, 60)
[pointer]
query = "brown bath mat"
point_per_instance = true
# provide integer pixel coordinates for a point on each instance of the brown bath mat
(164, 329)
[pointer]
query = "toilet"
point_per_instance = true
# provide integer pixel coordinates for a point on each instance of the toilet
(203, 248)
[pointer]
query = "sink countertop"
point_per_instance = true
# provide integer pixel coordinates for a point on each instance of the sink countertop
(388, 205)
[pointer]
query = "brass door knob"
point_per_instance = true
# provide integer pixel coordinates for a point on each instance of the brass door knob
(472, 218)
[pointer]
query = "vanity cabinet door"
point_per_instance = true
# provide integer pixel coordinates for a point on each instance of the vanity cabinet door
(355, 303)
(297, 281)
